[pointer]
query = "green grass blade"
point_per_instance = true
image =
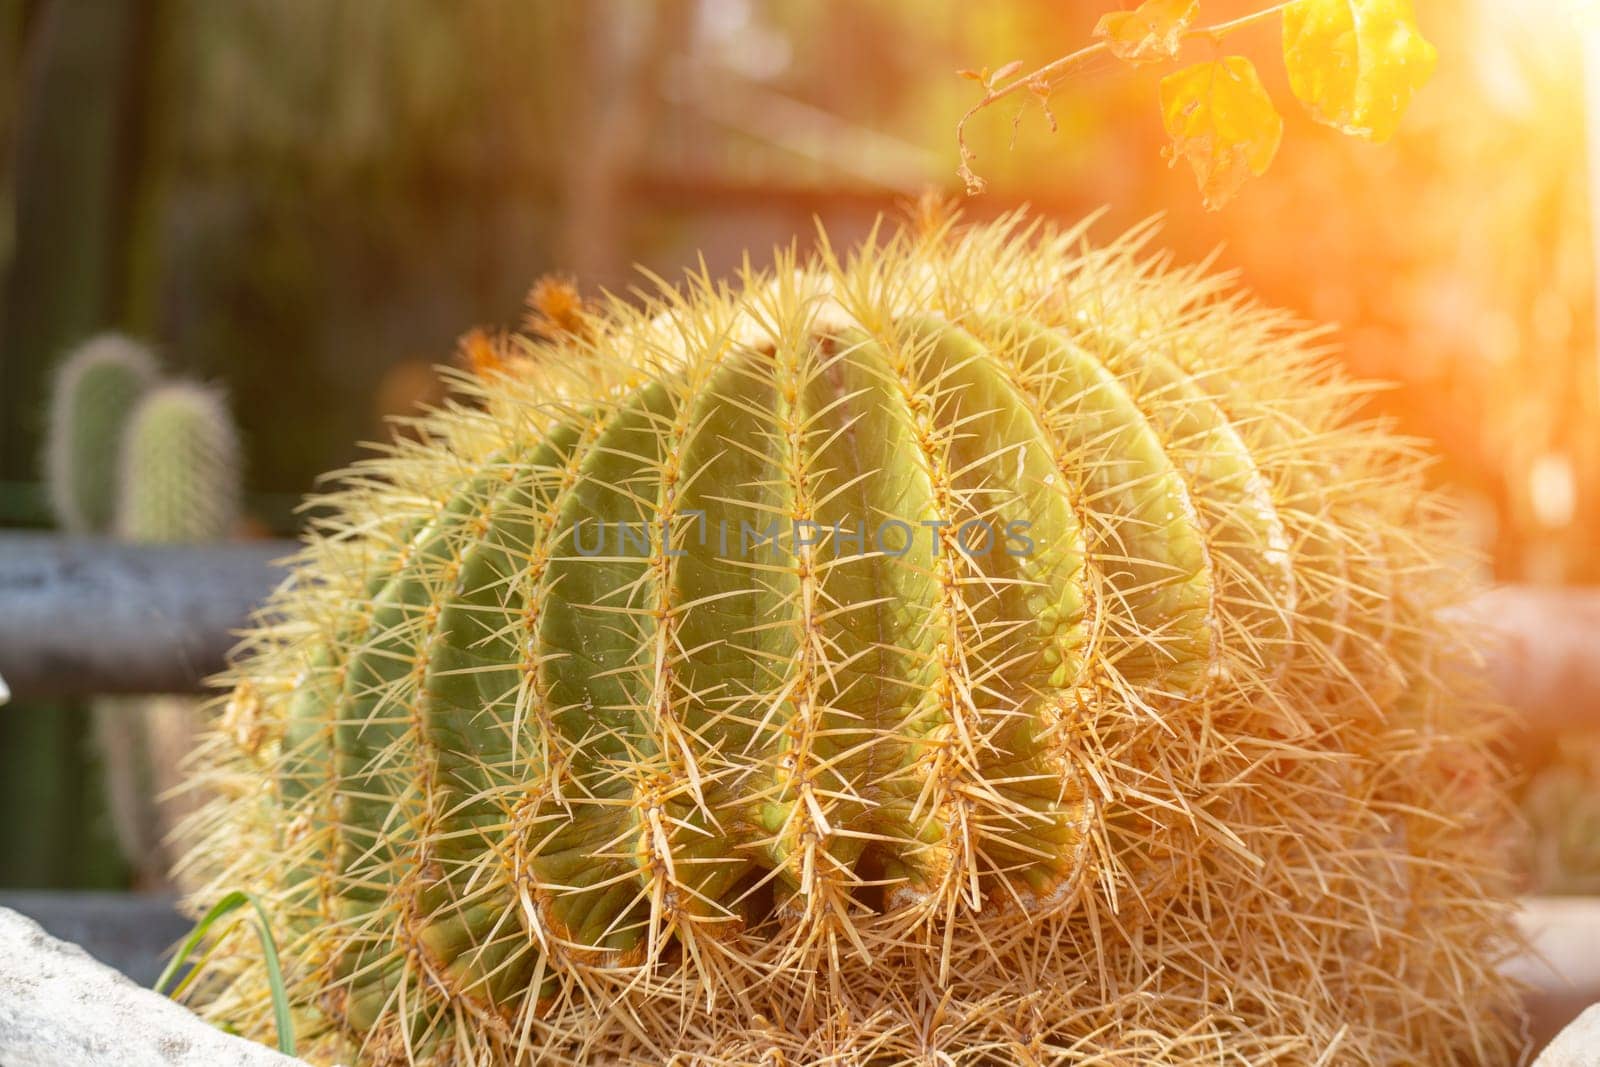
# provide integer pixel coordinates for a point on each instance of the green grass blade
(269, 950)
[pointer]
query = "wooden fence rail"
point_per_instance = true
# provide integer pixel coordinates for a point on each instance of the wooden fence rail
(80, 616)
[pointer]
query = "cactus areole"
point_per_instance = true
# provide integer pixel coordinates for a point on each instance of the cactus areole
(979, 648)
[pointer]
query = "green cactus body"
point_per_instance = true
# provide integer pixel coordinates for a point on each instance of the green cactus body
(968, 649)
(95, 392)
(179, 479)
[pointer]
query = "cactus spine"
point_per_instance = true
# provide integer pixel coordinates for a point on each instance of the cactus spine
(667, 697)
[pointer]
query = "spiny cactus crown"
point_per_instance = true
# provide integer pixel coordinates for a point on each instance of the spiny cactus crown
(988, 647)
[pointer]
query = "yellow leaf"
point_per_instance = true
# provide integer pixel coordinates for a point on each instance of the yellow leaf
(1151, 32)
(1222, 121)
(1355, 64)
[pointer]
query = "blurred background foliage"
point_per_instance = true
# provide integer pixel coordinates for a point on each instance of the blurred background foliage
(308, 201)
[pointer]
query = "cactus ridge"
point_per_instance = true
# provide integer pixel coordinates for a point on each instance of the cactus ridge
(549, 752)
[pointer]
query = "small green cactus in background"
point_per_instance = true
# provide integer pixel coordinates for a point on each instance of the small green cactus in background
(179, 460)
(141, 460)
(986, 649)
(180, 483)
(1561, 803)
(96, 389)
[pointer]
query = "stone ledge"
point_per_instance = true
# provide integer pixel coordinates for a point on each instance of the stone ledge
(61, 1008)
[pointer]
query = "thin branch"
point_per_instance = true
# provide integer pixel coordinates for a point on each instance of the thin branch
(1043, 81)
(1048, 77)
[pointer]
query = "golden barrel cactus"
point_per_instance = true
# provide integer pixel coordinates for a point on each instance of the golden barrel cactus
(983, 648)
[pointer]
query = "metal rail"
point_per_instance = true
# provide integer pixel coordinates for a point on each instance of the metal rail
(80, 617)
